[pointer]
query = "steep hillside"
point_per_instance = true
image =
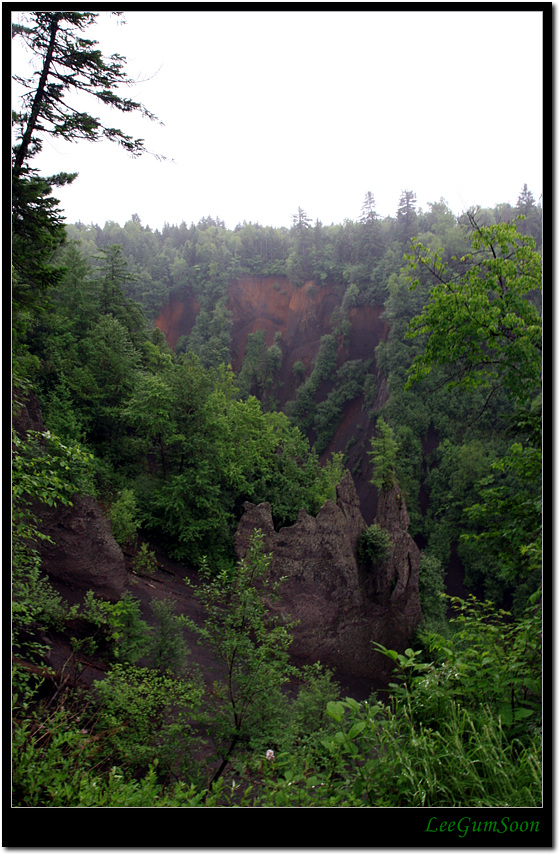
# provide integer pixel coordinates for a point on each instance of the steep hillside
(178, 317)
(296, 319)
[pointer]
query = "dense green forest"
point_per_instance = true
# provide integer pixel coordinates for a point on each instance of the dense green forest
(172, 441)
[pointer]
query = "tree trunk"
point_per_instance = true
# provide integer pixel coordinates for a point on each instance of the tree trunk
(22, 151)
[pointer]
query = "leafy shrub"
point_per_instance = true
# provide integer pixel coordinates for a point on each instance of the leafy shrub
(46, 471)
(252, 646)
(494, 659)
(45, 761)
(431, 585)
(374, 545)
(124, 517)
(127, 633)
(383, 456)
(145, 562)
(323, 488)
(168, 649)
(489, 660)
(144, 716)
(390, 755)
(56, 764)
(307, 719)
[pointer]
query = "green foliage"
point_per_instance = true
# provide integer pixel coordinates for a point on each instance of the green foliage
(302, 410)
(476, 332)
(489, 661)
(294, 479)
(370, 392)
(219, 452)
(383, 456)
(128, 635)
(480, 325)
(145, 562)
(228, 445)
(452, 480)
(273, 360)
(112, 360)
(374, 545)
(187, 510)
(58, 760)
(53, 767)
(168, 650)
(307, 716)
(376, 757)
(348, 383)
(60, 414)
(431, 586)
(462, 730)
(46, 471)
(211, 337)
(253, 356)
(390, 759)
(35, 603)
(252, 645)
(69, 64)
(510, 510)
(260, 365)
(329, 476)
(37, 232)
(124, 517)
(144, 716)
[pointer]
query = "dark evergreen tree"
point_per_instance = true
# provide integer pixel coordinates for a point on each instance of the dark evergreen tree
(406, 216)
(67, 64)
(300, 221)
(299, 265)
(525, 201)
(369, 214)
(531, 224)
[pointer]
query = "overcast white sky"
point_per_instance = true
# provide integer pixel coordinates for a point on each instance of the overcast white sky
(265, 111)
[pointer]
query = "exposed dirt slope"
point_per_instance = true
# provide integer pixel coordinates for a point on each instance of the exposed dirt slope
(178, 317)
(302, 316)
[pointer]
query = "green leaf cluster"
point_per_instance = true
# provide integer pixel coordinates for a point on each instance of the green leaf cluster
(480, 325)
(374, 545)
(251, 643)
(383, 456)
